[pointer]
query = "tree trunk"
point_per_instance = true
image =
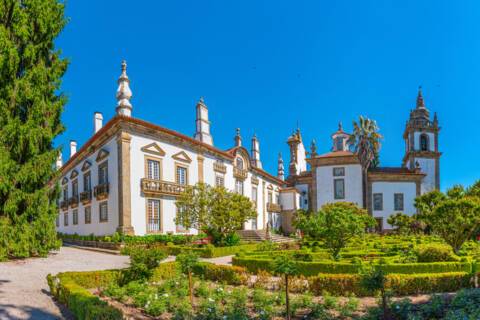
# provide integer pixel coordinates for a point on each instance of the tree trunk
(386, 312)
(190, 287)
(287, 300)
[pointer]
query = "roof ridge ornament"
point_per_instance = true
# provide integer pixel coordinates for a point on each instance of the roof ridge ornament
(124, 94)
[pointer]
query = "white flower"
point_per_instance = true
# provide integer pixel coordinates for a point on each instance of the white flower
(210, 300)
(165, 295)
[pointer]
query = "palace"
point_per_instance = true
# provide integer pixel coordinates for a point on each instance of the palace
(126, 177)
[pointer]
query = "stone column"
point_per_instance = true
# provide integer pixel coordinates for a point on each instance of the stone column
(124, 193)
(200, 160)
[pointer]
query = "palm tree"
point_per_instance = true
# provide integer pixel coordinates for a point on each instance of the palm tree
(365, 140)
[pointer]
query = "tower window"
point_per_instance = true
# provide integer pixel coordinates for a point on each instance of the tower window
(339, 144)
(424, 142)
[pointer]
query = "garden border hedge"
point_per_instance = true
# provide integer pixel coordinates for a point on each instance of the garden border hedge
(70, 288)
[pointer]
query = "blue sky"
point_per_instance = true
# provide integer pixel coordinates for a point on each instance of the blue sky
(264, 65)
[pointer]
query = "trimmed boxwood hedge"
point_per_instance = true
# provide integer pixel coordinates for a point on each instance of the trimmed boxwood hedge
(208, 251)
(399, 284)
(253, 264)
(70, 288)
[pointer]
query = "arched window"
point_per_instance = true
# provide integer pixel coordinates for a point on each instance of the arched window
(239, 163)
(424, 142)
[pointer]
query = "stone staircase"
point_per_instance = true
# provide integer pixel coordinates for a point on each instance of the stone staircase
(261, 235)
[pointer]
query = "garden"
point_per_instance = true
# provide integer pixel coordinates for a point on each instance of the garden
(426, 269)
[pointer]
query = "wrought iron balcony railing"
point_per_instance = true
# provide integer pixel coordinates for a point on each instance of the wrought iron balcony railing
(73, 201)
(240, 173)
(64, 204)
(273, 207)
(86, 196)
(101, 191)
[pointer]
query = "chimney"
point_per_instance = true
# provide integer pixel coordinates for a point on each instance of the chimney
(73, 147)
(59, 162)
(256, 152)
(202, 124)
(97, 121)
(238, 138)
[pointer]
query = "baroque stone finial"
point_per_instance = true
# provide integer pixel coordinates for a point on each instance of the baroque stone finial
(313, 148)
(340, 127)
(420, 101)
(124, 94)
(238, 138)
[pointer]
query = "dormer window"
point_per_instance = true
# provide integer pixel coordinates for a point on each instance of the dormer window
(424, 142)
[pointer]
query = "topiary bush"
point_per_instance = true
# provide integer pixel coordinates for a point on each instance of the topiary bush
(435, 253)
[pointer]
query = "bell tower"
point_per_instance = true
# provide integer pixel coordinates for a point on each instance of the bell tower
(421, 145)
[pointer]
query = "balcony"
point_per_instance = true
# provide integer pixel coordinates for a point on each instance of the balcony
(86, 197)
(64, 205)
(160, 187)
(273, 207)
(101, 191)
(219, 167)
(241, 174)
(73, 201)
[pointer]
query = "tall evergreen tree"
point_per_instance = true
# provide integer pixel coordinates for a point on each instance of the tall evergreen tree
(30, 108)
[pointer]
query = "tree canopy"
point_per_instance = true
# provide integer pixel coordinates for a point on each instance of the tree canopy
(335, 224)
(31, 104)
(214, 209)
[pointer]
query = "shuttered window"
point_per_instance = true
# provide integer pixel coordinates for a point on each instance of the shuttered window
(153, 215)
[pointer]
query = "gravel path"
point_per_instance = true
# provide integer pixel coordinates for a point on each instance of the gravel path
(24, 292)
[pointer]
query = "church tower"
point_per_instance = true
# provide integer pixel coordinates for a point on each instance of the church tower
(202, 124)
(421, 145)
(298, 163)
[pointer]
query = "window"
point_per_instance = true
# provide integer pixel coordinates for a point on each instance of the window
(75, 188)
(103, 211)
(270, 197)
(339, 188)
(239, 163)
(153, 215)
(179, 227)
(181, 175)
(65, 192)
(219, 180)
(103, 173)
(75, 216)
(338, 172)
(65, 218)
(239, 186)
(398, 201)
(88, 215)
(424, 142)
(378, 201)
(153, 169)
(87, 182)
(254, 195)
(339, 143)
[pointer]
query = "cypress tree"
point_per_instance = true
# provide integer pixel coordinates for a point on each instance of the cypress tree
(30, 108)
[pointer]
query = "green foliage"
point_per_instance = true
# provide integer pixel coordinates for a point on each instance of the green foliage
(285, 265)
(404, 224)
(365, 140)
(187, 261)
(231, 275)
(215, 209)
(142, 264)
(335, 224)
(80, 301)
(435, 253)
(31, 105)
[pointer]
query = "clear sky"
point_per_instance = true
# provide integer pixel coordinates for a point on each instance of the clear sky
(264, 65)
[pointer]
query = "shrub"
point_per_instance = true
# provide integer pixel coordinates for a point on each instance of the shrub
(435, 253)
(231, 275)
(142, 264)
(81, 302)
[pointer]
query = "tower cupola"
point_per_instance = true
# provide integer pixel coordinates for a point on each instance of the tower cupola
(340, 139)
(202, 124)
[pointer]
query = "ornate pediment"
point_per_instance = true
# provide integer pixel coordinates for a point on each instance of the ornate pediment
(182, 156)
(73, 174)
(64, 180)
(86, 165)
(153, 148)
(102, 154)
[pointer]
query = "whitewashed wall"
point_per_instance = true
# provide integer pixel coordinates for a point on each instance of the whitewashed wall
(427, 166)
(96, 227)
(431, 140)
(353, 184)
(388, 189)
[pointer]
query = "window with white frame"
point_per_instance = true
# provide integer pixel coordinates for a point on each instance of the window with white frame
(239, 186)
(75, 217)
(339, 189)
(181, 175)
(88, 215)
(398, 201)
(87, 181)
(153, 169)
(153, 215)
(65, 218)
(75, 188)
(103, 173)
(219, 180)
(65, 192)
(378, 201)
(103, 209)
(254, 194)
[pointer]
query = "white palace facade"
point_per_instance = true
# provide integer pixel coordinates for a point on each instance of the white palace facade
(127, 176)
